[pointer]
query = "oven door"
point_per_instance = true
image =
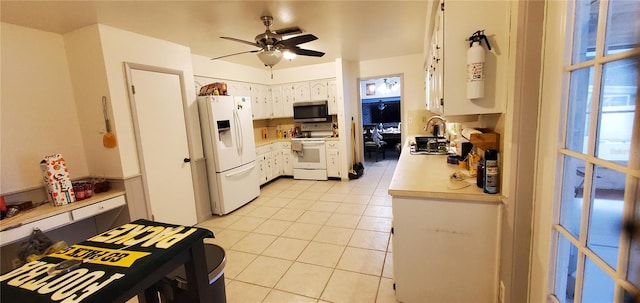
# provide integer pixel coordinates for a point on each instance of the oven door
(313, 155)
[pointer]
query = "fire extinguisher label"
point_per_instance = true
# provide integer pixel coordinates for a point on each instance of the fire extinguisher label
(475, 72)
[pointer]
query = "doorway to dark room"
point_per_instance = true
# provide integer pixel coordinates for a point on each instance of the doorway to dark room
(380, 99)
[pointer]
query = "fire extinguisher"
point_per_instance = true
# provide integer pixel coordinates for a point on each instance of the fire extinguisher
(475, 65)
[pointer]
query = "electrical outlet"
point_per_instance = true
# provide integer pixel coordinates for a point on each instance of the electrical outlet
(501, 295)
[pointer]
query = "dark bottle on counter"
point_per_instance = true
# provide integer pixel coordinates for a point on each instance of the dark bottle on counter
(480, 174)
(491, 171)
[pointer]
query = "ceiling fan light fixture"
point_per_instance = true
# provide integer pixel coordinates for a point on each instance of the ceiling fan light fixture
(289, 55)
(270, 57)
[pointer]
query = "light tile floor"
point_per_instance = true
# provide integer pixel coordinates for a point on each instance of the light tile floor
(311, 241)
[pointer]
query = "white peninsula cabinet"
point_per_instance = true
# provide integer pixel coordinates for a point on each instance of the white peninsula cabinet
(446, 241)
(445, 250)
(446, 74)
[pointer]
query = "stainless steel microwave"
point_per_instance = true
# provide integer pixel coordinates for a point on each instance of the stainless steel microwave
(315, 111)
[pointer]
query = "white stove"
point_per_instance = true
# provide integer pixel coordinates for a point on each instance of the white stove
(309, 154)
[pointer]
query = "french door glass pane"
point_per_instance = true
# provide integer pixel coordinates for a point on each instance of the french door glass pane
(585, 30)
(572, 194)
(617, 106)
(566, 266)
(605, 219)
(620, 36)
(597, 286)
(633, 275)
(578, 114)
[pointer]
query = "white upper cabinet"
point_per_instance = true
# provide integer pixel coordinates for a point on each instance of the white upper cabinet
(260, 109)
(277, 111)
(276, 101)
(446, 66)
(332, 97)
(318, 90)
(301, 92)
(238, 89)
(287, 100)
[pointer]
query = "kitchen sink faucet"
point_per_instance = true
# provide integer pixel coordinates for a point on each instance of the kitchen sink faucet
(437, 124)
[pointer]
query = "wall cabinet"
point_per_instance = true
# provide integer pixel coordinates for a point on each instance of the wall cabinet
(446, 73)
(318, 90)
(456, 237)
(333, 159)
(333, 97)
(287, 100)
(276, 101)
(301, 92)
(238, 89)
(260, 101)
(277, 110)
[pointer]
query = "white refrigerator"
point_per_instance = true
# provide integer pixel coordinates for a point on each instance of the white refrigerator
(230, 152)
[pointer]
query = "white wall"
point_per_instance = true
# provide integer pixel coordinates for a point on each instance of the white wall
(38, 111)
(89, 78)
(304, 73)
(120, 46)
(204, 66)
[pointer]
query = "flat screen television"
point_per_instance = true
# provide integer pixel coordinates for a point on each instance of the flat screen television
(390, 113)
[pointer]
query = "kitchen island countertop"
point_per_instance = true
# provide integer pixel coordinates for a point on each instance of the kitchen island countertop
(428, 176)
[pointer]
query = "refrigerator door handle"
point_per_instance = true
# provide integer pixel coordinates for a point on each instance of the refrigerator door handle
(242, 171)
(236, 120)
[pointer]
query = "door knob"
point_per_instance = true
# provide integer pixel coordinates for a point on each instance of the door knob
(187, 160)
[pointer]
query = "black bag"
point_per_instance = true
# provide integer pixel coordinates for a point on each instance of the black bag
(357, 171)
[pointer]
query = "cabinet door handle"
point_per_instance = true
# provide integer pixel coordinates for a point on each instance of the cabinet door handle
(186, 160)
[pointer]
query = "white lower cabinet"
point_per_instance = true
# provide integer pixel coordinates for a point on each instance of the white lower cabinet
(263, 156)
(275, 164)
(274, 160)
(445, 250)
(287, 160)
(262, 172)
(333, 159)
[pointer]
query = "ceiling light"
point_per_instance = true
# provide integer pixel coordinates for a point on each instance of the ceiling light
(270, 57)
(289, 55)
(387, 86)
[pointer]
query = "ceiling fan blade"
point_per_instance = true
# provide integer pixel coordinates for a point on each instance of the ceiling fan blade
(245, 52)
(242, 41)
(288, 31)
(306, 52)
(299, 40)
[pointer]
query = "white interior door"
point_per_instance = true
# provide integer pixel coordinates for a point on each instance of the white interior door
(162, 143)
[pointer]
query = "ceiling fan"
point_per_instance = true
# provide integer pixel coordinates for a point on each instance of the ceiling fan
(272, 46)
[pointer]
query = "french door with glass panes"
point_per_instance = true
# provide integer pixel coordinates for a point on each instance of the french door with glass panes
(593, 259)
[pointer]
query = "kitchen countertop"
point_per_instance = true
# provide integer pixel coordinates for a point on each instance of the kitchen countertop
(427, 176)
(48, 210)
(274, 140)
